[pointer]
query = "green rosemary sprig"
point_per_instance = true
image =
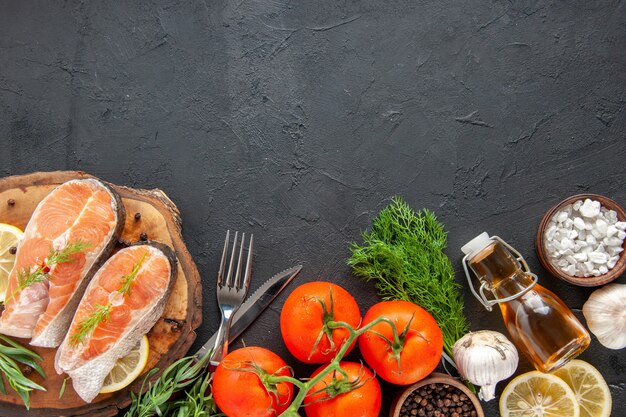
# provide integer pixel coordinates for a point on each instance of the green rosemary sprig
(11, 355)
(189, 373)
(29, 276)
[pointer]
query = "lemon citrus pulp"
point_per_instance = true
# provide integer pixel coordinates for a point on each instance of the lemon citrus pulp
(535, 394)
(128, 368)
(590, 388)
(9, 238)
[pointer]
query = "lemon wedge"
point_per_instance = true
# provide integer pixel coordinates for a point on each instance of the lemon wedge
(10, 236)
(535, 394)
(590, 388)
(128, 368)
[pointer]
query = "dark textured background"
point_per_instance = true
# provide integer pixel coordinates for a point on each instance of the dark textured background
(299, 120)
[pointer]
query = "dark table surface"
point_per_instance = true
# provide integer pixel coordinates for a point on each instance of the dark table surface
(298, 120)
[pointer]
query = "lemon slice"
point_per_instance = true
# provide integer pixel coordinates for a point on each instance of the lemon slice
(590, 388)
(10, 236)
(128, 368)
(535, 394)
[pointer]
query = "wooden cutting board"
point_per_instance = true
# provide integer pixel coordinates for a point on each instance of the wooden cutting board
(169, 339)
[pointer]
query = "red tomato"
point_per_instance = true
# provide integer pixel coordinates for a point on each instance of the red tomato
(239, 392)
(303, 319)
(419, 352)
(361, 402)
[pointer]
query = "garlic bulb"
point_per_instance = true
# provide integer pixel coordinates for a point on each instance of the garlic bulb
(485, 358)
(605, 312)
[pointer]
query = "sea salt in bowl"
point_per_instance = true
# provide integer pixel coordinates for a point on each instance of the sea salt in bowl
(603, 271)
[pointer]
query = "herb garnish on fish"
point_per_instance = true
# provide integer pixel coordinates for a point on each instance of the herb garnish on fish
(101, 313)
(28, 276)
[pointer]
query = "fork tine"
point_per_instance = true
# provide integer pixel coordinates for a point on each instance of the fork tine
(246, 279)
(220, 273)
(237, 279)
(229, 281)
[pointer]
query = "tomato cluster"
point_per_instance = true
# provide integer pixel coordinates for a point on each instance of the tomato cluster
(402, 347)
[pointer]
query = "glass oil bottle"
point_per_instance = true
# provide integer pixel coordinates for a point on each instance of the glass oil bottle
(543, 328)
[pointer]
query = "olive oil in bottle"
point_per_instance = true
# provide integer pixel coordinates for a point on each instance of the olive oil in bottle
(543, 328)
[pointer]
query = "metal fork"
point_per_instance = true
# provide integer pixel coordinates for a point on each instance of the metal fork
(231, 291)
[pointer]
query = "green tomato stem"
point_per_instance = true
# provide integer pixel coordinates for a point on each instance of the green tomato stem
(305, 387)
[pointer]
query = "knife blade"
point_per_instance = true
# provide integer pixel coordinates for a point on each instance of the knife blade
(253, 306)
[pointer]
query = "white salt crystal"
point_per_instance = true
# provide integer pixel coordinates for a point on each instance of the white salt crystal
(598, 257)
(613, 241)
(570, 270)
(561, 216)
(580, 257)
(601, 226)
(621, 235)
(591, 239)
(621, 225)
(603, 269)
(611, 230)
(590, 208)
(577, 205)
(567, 243)
(579, 223)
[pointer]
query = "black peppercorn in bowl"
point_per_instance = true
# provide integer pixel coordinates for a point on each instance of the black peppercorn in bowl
(438, 395)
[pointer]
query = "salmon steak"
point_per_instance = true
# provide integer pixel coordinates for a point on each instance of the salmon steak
(123, 301)
(70, 233)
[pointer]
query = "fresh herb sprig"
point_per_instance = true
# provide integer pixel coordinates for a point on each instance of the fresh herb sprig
(11, 356)
(101, 313)
(403, 255)
(190, 373)
(30, 276)
(127, 280)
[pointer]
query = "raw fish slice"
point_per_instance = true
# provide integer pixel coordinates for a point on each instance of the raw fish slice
(90, 358)
(78, 210)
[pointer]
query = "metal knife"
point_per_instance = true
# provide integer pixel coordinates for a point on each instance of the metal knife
(254, 306)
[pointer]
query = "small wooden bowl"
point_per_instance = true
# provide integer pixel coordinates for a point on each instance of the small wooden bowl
(434, 378)
(544, 258)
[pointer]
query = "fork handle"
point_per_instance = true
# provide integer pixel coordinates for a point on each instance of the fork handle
(220, 349)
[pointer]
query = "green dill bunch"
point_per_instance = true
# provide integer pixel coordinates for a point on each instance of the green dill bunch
(403, 255)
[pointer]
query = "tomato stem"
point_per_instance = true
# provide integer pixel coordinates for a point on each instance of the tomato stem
(305, 387)
(328, 316)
